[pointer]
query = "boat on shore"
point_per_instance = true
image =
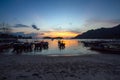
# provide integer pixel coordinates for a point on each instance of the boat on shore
(7, 43)
(106, 46)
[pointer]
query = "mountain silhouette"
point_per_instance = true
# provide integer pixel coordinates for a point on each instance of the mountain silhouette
(102, 33)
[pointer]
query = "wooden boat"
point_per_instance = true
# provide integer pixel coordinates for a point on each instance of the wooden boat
(104, 46)
(6, 44)
(61, 44)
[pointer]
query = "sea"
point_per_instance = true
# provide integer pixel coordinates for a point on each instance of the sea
(73, 47)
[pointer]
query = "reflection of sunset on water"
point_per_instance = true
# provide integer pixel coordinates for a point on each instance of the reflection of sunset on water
(68, 43)
(71, 46)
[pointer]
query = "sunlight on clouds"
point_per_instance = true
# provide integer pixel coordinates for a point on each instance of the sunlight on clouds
(65, 34)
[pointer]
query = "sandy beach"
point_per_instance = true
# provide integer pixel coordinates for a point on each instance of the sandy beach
(36, 67)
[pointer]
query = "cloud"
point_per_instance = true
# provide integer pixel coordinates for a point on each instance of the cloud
(35, 27)
(111, 21)
(25, 26)
(75, 31)
(62, 27)
(98, 23)
(57, 28)
(20, 25)
(41, 33)
(65, 34)
(25, 34)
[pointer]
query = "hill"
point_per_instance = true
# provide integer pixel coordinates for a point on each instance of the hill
(102, 33)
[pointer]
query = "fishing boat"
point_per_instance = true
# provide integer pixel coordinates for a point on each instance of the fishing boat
(104, 46)
(6, 44)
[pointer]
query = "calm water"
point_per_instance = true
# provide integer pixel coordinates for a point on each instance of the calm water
(72, 47)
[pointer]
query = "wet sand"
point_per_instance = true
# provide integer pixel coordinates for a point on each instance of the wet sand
(38, 67)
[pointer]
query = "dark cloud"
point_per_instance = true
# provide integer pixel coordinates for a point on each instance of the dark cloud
(35, 27)
(25, 26)
(20, 25)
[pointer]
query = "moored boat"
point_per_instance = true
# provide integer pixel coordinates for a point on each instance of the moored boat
(6, 44)
(103, 46)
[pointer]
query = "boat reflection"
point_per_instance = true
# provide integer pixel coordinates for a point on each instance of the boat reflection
(49, 47)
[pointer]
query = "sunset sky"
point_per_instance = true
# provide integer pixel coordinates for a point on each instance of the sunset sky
(63, 18)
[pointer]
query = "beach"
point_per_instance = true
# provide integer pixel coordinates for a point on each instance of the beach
(39, 67)
(59, 39)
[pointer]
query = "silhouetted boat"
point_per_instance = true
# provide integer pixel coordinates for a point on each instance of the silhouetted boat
(61, 44)
(7, 43)
(103, 46)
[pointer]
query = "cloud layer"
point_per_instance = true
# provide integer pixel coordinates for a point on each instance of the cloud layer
(98, 23)
(20, 25)
(25, 26)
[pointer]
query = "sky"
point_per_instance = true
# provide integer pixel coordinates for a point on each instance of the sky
(63, 18)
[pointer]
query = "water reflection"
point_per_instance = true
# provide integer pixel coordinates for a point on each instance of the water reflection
(29, 47)
(54, 47)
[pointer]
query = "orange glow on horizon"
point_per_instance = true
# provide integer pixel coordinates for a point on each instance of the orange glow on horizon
(64, 34)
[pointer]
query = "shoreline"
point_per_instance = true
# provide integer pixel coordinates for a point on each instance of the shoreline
(37, 67)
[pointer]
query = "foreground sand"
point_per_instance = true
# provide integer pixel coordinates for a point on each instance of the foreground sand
(85, 67)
